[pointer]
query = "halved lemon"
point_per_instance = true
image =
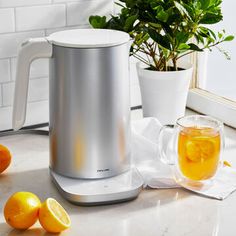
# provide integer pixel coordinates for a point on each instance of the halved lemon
(53, 217)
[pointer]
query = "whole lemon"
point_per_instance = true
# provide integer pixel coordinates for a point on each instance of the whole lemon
(22, 209)
(5, 158)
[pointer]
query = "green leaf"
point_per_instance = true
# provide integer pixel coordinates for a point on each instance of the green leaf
(183, 46)
(191, 11)
(204, 32)
(211, 18)
(166, 52)
(182, 37)
(194, 47)
(140, 38)
(155, 25)
(160, 39)
(212, 33)
(229, 38)
(155, 3)
(129, 23)
(220, 35)
(130, 3)
(205, 4)
(98, 21)
(215, 3)
(118, 4)
(182, 9)
(171, 24)
(161, 14)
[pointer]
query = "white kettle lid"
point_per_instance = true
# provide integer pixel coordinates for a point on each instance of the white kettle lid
(88, 38)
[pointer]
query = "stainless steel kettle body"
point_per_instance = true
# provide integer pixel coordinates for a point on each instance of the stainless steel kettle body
(89, 111)
(89, 103)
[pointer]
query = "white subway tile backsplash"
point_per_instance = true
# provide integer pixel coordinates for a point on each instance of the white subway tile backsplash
(50, 31)
(17, 3)
(5, 70)
(37, 113)
(78, 13)
(38, 90)
(8, 93)
(23, 19)
(9, 43)
(40, 17)
(7, 20)
(38, 68)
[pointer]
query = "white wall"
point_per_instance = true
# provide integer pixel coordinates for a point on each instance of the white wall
(21, 19)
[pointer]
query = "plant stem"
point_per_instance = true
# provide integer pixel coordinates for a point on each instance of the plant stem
(183, 55)
(141, 59)
(213, 45)
(174, 60)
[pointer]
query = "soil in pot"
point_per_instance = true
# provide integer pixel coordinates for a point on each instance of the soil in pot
(170, 68)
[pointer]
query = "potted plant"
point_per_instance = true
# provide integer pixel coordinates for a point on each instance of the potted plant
(163, 33)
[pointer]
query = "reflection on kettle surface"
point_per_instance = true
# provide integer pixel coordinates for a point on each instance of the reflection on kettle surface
(79, 152)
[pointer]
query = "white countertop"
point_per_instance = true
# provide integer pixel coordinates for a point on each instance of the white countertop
(176, 212)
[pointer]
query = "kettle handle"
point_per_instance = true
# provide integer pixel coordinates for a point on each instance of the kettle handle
(30, 50)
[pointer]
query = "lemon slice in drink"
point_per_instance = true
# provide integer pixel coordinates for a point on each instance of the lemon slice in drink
(53, 217)
(198, 149)
(207, 149)
(193, 151)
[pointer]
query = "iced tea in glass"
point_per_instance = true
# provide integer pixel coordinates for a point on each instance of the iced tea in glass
(197, 143)
(198, 152)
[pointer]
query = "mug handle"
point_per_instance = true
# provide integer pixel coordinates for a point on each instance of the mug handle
(161, 146)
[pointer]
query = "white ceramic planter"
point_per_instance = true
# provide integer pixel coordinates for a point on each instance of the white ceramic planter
(164, 94)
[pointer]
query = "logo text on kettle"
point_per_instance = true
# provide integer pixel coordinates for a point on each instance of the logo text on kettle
(103, 170)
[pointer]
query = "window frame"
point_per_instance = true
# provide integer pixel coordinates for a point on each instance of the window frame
(208, 103)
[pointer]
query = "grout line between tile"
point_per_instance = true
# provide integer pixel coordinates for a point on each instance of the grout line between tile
(7, 82)
(41, 29)
(10, 68)
(33, 5)
(40, 100)
(31, 78)
(52, 2)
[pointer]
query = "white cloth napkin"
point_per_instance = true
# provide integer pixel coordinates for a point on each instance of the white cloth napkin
(159, 175)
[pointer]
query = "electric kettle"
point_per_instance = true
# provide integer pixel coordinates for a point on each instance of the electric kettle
(89, 104)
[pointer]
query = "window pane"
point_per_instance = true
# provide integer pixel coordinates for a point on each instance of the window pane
(216, 73)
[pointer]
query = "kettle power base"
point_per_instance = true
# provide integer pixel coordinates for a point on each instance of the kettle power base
(87, 192)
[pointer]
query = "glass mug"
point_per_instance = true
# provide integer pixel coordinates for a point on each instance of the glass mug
(196, 146)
